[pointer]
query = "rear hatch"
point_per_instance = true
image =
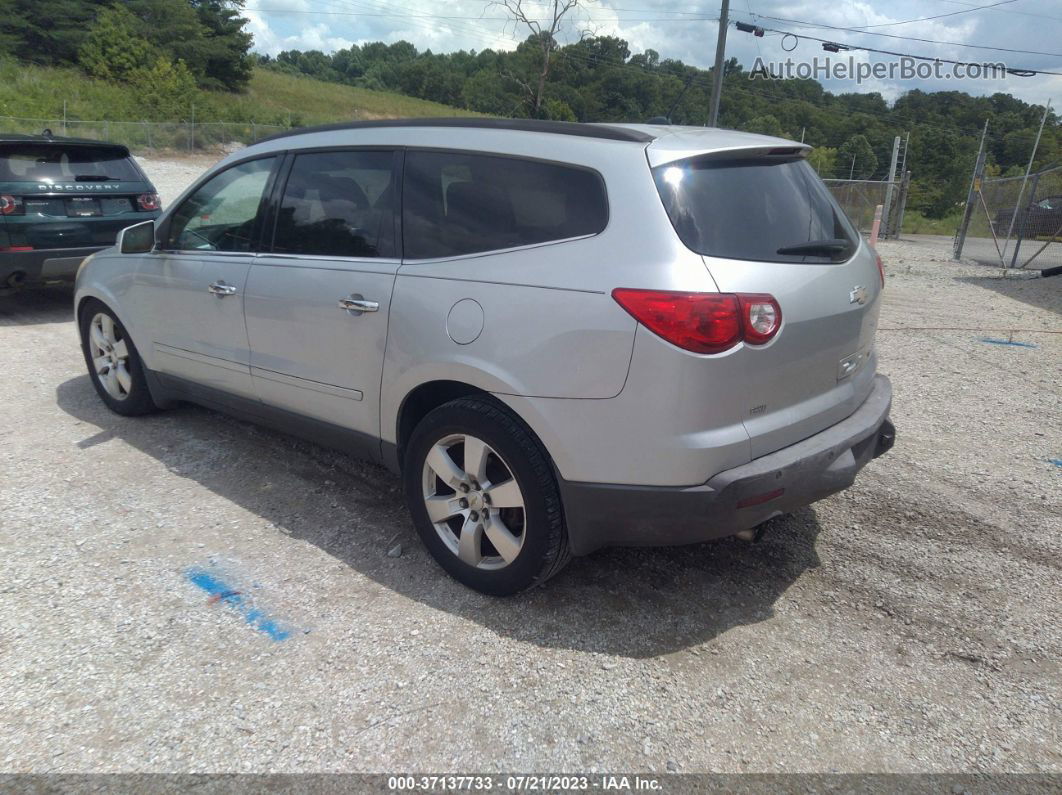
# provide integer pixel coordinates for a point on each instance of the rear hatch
(58, 194)
(764, 223)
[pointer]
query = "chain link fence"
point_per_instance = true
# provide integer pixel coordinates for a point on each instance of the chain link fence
(148, 135)
(1014, 222)
(859, 199)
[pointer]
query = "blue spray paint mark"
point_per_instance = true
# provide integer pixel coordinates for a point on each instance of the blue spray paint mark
(225, 593)
(1056, 461)
(992, 341)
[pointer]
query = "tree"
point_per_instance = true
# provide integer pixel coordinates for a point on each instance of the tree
(857, 156)
(544, 38)
(227, 46)
(487, 92)
(46, 31)
(114, 50)
(165, 89)
(824, 160)
(765, 125)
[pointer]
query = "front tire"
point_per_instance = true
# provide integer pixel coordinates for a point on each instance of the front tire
(113, 361)
(484, 498)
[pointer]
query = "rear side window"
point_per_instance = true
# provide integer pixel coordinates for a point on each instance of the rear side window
(456, 204)
(755, 209)
(65, 163)
(338, 204)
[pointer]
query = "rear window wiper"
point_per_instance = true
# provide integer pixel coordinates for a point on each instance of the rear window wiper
(827, 247)
(92, 178)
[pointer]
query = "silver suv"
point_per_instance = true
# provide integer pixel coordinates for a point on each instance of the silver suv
(563, 336)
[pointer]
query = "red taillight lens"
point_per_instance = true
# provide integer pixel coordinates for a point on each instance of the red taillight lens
(703, 322)
(10, 205)
(881, 269)
(148, 202)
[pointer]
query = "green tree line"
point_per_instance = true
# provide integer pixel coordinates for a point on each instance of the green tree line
(600, 79)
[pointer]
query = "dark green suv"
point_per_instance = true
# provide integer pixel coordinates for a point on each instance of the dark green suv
(62, 199)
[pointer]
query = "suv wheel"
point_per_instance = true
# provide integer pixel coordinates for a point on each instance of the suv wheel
(483, 497)
(113, 362)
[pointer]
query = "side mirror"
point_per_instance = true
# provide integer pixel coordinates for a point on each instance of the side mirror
(137, 239)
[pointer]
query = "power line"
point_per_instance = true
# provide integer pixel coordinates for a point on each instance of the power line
(1007, 11)
(1012, 70)
(905, 38)
(937, 16)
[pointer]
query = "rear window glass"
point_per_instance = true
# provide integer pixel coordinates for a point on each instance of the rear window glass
(456, 204)
(755, 209)
(64, 163)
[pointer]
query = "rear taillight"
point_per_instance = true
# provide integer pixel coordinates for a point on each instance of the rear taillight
(148, 202)
(10, 205)
(881, 268)
(703, 322)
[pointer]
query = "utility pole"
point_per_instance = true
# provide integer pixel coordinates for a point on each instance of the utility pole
(720, 55)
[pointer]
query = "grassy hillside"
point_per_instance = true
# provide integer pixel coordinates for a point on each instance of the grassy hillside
(318, 102)
(272, 98)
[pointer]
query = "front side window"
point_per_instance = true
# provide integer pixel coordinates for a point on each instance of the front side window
(456, 204)
(220, 215)
(338, 204)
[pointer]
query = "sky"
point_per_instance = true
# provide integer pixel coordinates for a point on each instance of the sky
(687, 30)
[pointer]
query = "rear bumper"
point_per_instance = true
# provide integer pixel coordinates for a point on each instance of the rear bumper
(44, 264)
(600, 515)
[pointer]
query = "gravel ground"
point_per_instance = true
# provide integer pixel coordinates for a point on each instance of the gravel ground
(911, 623)
(172, 174)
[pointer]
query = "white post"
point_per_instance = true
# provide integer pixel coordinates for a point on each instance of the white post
(877, 226)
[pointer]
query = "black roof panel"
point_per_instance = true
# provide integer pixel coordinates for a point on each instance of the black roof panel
(19, 138)
(520, 125)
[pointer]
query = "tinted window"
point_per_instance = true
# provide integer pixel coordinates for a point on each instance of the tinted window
(338, 204)
(220, 215)
(749, 209)
(65, 163)
(456, 204)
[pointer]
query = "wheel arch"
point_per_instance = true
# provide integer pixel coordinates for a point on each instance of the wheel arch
(417, 404)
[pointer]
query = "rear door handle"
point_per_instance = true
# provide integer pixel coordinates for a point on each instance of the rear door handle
(220, 289)
(355, 304)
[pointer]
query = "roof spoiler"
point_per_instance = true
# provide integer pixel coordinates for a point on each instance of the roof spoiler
(780, 151)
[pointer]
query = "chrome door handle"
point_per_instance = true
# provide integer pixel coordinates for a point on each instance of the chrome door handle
(220, 289)
(355, 304)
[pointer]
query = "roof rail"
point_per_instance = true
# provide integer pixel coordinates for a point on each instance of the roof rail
(520, 125)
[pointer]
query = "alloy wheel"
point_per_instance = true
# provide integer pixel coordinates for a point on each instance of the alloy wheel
(110, 356)
(474, 501)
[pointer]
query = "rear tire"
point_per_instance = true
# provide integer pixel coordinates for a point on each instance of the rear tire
(113, 361)
(484, 498)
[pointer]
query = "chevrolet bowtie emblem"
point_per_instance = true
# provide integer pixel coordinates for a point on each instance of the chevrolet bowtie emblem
(858, 295)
